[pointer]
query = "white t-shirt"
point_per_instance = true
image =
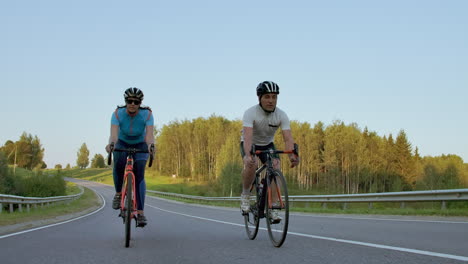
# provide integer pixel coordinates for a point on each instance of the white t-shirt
(264, 124)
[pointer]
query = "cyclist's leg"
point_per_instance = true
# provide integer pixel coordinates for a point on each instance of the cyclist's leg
(140, 184)
(248, 172)
(120, 161)
(139, 170)
(276, 166)
(248, 176)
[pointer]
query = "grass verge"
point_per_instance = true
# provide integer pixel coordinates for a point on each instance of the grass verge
(85, 202)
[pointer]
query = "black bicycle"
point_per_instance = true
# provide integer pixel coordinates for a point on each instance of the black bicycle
(128, 202)
(271, 201)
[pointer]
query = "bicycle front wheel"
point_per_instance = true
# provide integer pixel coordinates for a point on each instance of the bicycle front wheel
(277, 216)
(128, 210)
(251, 219)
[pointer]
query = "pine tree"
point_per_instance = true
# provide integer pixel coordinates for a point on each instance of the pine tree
(405, 162)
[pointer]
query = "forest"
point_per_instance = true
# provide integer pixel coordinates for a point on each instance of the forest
(338, 158)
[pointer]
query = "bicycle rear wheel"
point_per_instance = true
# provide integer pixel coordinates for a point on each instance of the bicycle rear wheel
(128, 209)
(252, 219)
(277, 216)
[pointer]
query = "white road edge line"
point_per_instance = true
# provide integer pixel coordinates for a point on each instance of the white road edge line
(60, 223)
(408, 250)
(388, 219)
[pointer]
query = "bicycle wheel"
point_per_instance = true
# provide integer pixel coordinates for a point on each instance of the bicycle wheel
(128, 209)
(277, 216)
(252, 219)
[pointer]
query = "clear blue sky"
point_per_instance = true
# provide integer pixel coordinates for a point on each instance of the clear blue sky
(387, 65)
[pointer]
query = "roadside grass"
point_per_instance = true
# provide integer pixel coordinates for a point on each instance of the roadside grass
(86, 201)
(184, 186)
(153, 181)
(414, 209)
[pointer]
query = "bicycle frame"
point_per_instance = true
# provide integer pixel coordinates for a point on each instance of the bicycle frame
(129, 172)
(268, 166)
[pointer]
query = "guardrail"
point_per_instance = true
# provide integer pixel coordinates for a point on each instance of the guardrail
(414, 196)
(11, 200)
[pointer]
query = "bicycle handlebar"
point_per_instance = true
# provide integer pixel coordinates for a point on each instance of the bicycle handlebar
(273, 151)
(132, 151)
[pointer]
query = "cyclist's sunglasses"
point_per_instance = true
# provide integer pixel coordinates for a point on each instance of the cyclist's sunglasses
(131, 101)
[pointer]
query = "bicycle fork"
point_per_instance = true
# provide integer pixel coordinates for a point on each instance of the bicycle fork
(273, 189)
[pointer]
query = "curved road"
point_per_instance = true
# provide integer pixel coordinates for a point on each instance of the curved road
(183, 233)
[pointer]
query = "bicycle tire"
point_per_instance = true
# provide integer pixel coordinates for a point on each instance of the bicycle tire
(128, 209)
(252, 219)
(277, 230)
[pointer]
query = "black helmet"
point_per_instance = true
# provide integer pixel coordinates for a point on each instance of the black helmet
(267, 87)
(133, 92)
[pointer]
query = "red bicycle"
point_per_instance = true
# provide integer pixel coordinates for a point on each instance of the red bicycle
(128, 202)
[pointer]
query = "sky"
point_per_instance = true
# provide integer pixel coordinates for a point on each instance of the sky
(385, 65)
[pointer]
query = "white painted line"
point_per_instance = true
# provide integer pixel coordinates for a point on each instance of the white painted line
(408, 250)
(56, 224)
(385, 219)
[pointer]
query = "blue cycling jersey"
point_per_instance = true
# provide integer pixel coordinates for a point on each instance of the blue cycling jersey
(132, 128)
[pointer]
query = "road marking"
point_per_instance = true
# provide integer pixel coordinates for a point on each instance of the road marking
(385, 219)
(60, 223)
(408, 250)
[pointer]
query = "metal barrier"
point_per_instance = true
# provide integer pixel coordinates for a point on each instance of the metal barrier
(11, 200)
(414, 196)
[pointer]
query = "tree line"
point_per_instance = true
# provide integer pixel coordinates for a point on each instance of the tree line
(28, 153)
(338, 158)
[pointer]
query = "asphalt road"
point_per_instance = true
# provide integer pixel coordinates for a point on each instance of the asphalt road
(184, 233)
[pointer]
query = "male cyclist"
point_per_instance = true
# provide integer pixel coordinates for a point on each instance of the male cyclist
(260, 123)
(131, 127)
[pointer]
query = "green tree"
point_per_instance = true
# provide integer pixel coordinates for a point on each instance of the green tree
(82, 160)
(405, 162)
(442, 172)
(98, 161)
(58, 166)
(26, 153)
(6, 181)
(230, 180)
